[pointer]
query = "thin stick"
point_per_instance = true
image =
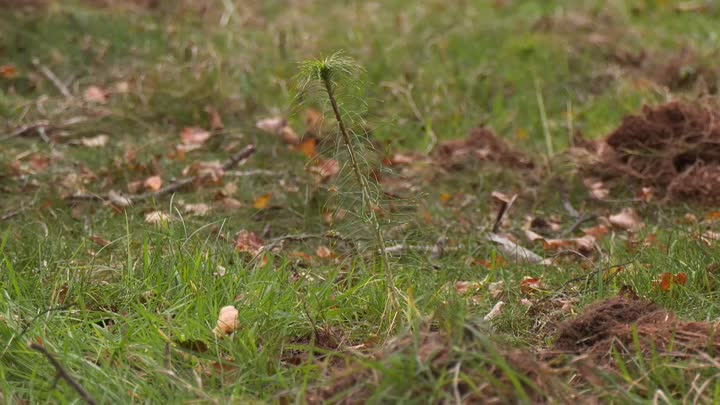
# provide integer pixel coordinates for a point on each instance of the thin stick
(46, 125)
(581, 220)
(53, 78)
(243, 154)
(62, 373)
(13, 213)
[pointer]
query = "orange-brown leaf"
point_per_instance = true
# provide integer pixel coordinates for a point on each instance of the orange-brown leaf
(153, 183)
(307, 147)
(263, 201)
(249, 242)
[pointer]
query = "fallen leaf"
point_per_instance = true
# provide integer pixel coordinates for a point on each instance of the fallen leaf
(445, 197)
(530, 285)
(199, 209)
(313, 121)
(95, 94)
(329, 168)
(462, 287)
(496, 289)
(627, 219)
(135, 187)
(273, 124)
(215, 120)
(119, 199)
(99, 240)
(495, 311)
(39, 162)
(121, 87)
(153, 183)
(228, 321)
(324, 252)
(249, 242)
(98, 141)
(8, 71)
(597, 189)
(399, 159)
(263, 201)
(194, 136)
(514, 251)
(597, 231)
(307, 147)
(645, 194)
(229, 204)
(157, 217)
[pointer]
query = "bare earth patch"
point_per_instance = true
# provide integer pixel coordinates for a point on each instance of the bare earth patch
(614, 322)
(674, 147)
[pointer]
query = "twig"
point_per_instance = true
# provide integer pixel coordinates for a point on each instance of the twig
(504, 208)
(45, 125)
(587, 276)
(402, 248)
(256, 172)
(581, 220)
(62, 373)
(243, 154)
(279, 241)
(13, 213)
(52, 77)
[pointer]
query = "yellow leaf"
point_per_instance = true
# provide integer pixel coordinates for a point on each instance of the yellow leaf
(521, 134)
(262, 202)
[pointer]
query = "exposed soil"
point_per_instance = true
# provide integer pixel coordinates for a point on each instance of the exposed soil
(613, 322)
(481, 145)
(674, 147)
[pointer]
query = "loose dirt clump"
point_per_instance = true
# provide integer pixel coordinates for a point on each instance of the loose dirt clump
(481, 145)
(674, 147)
(614, 322)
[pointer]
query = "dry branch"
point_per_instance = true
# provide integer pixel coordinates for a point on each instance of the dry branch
(62, 373)
(62, 88)
(243, 154)
(46, 125)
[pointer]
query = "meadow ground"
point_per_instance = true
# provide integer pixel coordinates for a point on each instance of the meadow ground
(540, 245)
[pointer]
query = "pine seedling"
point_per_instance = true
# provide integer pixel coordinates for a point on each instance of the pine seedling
(326, 76)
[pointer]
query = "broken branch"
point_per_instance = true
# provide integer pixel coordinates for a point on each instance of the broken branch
(53, 78)
(62, 373)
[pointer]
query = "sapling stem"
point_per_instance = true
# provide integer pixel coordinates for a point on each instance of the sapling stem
(362, 180)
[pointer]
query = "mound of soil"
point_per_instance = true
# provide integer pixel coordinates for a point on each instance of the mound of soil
(481, 145)
(674, 147)
(613, 322)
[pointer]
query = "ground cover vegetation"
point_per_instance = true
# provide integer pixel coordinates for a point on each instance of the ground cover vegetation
(352, 202)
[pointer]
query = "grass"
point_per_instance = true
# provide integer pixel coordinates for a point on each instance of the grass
(132, 321)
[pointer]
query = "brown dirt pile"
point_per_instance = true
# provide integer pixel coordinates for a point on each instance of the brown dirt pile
(481, 145)
(610, 323)
(674, 147)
